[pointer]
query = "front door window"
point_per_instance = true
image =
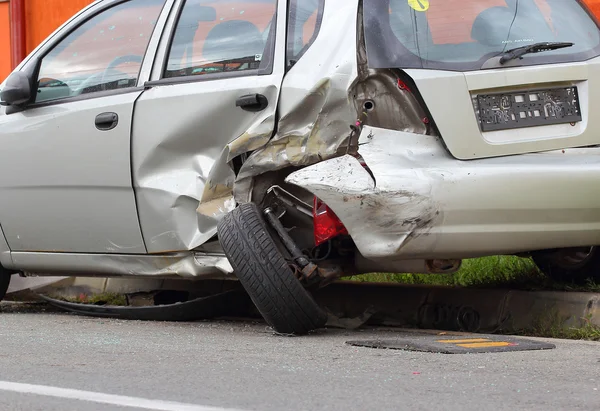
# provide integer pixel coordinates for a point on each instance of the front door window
(104, 53)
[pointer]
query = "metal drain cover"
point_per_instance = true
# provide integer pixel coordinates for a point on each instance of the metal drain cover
(456, 345)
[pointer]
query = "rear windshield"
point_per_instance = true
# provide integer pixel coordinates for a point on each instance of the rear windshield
(462, 35)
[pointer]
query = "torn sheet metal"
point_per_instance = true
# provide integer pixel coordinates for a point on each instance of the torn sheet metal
(382, 217)
(316, 106)
(315, 122)
(384, 97)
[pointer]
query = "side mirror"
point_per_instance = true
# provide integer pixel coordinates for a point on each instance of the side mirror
(17, 89)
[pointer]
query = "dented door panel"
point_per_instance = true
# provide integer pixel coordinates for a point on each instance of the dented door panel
(186, 133)
(422, 199)
(183, 181)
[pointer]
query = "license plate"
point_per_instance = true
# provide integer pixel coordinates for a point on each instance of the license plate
(501, 111)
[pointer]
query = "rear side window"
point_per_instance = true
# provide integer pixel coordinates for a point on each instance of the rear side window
(222, 36)
(304, 22)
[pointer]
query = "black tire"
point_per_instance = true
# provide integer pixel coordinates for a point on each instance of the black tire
(265, 275)
(576, 265)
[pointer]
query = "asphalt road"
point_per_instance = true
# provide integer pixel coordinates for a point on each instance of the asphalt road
(66, 362)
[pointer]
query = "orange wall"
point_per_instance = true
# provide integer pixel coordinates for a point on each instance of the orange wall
(594, 6)
(42, 18)
(45, 16)
(4, 42)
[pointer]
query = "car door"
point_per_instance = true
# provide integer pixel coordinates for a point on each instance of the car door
(65, 179)
(216, 80)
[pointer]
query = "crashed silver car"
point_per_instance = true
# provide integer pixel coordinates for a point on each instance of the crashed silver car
(289, 143)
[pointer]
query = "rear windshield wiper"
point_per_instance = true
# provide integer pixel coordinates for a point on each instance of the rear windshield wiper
(532, 48)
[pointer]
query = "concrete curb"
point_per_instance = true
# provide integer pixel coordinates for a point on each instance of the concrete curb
(568, 308)
(352, 304)
(461, 309)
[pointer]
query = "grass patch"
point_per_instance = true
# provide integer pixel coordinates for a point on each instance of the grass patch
(496, 272)
(588, 331)
(552, 326)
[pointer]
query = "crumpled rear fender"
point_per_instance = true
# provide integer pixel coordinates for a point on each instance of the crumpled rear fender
(379, 218)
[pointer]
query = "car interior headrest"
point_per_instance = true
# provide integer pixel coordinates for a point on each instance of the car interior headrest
(492, 25)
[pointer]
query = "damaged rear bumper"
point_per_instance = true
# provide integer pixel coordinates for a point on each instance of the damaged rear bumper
(421, 203)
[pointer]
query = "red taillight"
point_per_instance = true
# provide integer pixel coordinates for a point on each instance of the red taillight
(326, 224)
(402, 86)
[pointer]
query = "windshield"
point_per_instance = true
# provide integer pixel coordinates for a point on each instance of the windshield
(462, 35)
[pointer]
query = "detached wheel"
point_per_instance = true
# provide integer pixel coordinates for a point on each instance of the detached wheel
(573, 265)
(265, 275)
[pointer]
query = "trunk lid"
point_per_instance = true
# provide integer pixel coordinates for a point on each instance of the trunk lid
(514, 110)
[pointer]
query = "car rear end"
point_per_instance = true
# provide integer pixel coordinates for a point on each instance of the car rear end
(505, 158)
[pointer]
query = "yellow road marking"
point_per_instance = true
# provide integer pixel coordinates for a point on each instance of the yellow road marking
(470, 340)
(486, 344)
